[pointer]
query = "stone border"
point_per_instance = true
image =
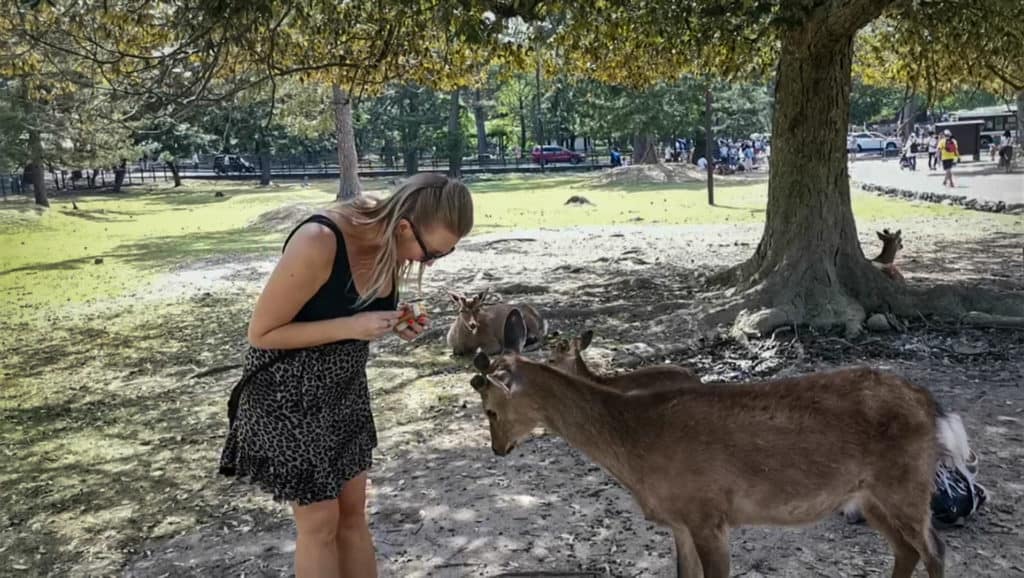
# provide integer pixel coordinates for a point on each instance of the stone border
(945, 199)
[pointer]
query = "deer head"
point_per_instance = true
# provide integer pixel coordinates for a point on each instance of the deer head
(511, 416)
(567, 354)
(471, 307)
(892, 243)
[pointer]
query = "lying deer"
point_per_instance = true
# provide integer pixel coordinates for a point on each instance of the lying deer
(705, 458)
(567, 355)
(479, 324)
(892, 243)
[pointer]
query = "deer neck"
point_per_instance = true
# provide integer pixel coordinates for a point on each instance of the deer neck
(590, 417)
(887, 256)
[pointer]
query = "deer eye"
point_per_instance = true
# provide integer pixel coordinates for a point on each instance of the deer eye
(492, 415)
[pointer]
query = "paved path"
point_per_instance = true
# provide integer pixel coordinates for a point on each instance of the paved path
(977, 180)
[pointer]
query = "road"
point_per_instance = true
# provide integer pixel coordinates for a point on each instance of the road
(980, 180)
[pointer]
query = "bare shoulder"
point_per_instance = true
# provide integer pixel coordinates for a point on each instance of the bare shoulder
(312, 243)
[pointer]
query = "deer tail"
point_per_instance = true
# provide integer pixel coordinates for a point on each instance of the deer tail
(954, 449)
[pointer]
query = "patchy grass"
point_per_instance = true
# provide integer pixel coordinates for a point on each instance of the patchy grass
(49, 259)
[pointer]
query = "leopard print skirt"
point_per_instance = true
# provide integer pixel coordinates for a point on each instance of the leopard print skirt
(304, 425)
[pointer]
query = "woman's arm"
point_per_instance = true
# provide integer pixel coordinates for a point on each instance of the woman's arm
(303, 269)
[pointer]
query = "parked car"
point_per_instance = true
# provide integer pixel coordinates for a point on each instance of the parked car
(556, 154)
(871, 141)
(231, 164)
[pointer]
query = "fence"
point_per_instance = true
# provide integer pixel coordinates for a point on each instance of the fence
(152, 172)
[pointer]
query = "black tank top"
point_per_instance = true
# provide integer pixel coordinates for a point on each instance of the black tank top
(337, 296)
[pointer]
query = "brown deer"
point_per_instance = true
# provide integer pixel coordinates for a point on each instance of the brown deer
(892, 243)
(705, 458)
(479, 324)
(567, 355)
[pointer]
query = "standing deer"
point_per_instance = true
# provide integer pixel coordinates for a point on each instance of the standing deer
(567, 355)
(892, 243)
(479, 324)
(706, 458)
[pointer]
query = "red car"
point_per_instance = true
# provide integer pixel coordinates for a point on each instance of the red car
(556, 154)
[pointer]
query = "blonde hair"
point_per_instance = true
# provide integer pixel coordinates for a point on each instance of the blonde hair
(427, 200)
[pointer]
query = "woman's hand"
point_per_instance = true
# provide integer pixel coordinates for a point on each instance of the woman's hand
(414, 327)
(371, 325)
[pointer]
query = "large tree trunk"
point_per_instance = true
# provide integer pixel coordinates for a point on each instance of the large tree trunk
(35, 147)
(455, 144)
(348, 162)
(645, 151)
(808, 267)
(174, 172)
(480, 115)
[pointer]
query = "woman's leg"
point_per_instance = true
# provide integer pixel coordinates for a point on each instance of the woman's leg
(356, 554)
(316, 552)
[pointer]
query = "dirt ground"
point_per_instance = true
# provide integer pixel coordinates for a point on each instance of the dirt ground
(441, 503)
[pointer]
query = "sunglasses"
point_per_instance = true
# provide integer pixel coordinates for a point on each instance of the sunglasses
(428, 255)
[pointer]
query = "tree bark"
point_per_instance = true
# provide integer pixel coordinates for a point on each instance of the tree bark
(708, 139)
(35, 147)
(174, 173)
(265, 176)
(348, 162)
(1020, 117)
(644, 150)
(455, 143)
(480, 116)
(522, 124)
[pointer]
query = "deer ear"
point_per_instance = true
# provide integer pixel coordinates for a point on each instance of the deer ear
(457, 298)
(481, 362)
(515, 332)
(880, 235)
(585, 339)
(478, 382)
(899, 232)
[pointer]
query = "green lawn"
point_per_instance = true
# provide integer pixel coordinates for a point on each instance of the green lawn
(47, 259)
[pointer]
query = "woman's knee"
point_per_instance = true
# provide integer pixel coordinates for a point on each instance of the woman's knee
(318, 521)
(352, 504)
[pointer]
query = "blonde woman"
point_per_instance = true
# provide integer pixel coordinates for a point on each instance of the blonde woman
(303, 430)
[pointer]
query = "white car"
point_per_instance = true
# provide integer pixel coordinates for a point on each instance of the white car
(870, 141)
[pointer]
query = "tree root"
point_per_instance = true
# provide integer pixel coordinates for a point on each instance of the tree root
(785, 299)
(979, 319)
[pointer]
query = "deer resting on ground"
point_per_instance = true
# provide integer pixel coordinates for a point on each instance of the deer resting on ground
(706, 458)
(892, 243)
(567, 355)
(479, 324)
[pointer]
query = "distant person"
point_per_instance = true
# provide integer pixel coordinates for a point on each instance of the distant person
(702, 163)
(933, 148)
(909, 159)
(1006, 149)
(616, 157)
(949, 151)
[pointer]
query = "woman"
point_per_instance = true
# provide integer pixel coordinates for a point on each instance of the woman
(304, 430)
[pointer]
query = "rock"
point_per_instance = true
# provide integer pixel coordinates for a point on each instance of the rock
(218, 194)
(878, 322)
(97, 261)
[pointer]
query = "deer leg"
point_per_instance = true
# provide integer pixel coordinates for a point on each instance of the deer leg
(687, 559)
(713, 548)
(905, 554)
